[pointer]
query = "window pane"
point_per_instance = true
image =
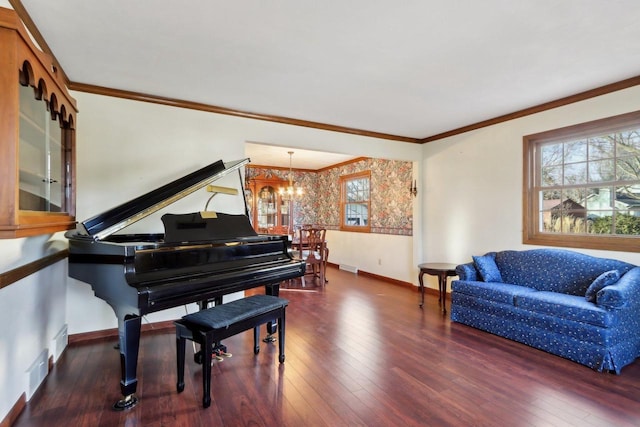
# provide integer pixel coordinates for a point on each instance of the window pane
(575, 173)
(575, 151)
(358, 190)
(567, 222)
(551, 176)
(601, 148)
(548, 200)
(628, 143)
(601, 170)
(551, 154)
(628, 168)
(601, 223)
(627, 200)
(356, 214)
(627, 224)
(578, 195)
(599, 198)
(573, 222)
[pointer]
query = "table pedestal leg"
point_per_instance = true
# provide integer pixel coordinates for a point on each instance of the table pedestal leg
(442, 284)
(421, 288)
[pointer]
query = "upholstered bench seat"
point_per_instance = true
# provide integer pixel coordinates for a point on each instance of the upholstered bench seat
(208, 327)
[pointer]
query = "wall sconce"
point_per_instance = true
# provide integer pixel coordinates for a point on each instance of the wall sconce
(413, 190)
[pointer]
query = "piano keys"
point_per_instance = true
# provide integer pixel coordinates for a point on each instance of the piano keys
(199, 258)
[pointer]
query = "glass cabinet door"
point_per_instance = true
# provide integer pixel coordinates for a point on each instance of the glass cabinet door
(271, 210)
(248, 197)
(267, 213)
(41, 160)
(285, 215)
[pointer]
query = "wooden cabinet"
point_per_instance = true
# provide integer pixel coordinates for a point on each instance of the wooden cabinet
(270, 211)
(37, 138)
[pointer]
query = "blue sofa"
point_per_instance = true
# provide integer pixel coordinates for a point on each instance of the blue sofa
(580, 307)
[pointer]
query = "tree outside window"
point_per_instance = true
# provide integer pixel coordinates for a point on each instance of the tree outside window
(583, 185)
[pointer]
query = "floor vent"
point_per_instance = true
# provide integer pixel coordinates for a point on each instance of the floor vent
(37, 372)
(59, 343)
(349, 268)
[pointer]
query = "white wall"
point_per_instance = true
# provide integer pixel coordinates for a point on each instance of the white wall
(473, 182)
(384, 255)
(32, 312)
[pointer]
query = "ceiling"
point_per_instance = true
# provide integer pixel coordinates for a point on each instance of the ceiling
(412, 69)
(272, 155)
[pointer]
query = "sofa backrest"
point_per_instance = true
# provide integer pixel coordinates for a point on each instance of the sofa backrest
(555, 270)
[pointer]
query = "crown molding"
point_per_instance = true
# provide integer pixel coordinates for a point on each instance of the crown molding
(582, 96)
(137, 96)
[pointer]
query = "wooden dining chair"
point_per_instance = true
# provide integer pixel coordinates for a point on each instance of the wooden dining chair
(310, 246)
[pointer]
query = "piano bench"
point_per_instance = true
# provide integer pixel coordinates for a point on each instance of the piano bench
(209, 326)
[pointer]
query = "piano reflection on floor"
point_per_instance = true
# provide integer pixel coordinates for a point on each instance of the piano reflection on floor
(199, 258)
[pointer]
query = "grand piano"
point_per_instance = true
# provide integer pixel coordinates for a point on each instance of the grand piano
(199, 258)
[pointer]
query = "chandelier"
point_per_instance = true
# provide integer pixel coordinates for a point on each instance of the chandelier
(290, 190)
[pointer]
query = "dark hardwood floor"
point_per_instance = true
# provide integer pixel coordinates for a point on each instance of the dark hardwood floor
(359, 352)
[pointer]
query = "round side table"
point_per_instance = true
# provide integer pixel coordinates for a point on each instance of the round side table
(442, 271)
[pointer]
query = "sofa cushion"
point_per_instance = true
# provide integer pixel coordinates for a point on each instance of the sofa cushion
(556, 270)
(570, 307)
(612, 297)
(486, 265)
(585, 332)
(605, 279)
(624, 293)
(492, 291)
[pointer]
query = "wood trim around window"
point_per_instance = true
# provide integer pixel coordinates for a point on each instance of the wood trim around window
(530, 209)
(343, 180)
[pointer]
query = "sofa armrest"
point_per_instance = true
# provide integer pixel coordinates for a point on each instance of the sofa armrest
(624, 293)
(467, 272)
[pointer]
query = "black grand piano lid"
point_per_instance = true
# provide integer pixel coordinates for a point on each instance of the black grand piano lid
(106, 223)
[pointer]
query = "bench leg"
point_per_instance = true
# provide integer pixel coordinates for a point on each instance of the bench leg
(256, 340)
(207, 348)
(281, 337)
(180, 345)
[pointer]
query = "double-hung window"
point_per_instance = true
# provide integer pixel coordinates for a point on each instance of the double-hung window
(582, 185)
(355, 202)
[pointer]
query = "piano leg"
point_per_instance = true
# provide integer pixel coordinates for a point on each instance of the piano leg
(129, 336)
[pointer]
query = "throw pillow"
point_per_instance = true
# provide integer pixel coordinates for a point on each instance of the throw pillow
(605, 279)
(486, 265)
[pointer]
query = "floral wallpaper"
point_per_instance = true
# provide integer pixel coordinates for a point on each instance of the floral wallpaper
(391, 202)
